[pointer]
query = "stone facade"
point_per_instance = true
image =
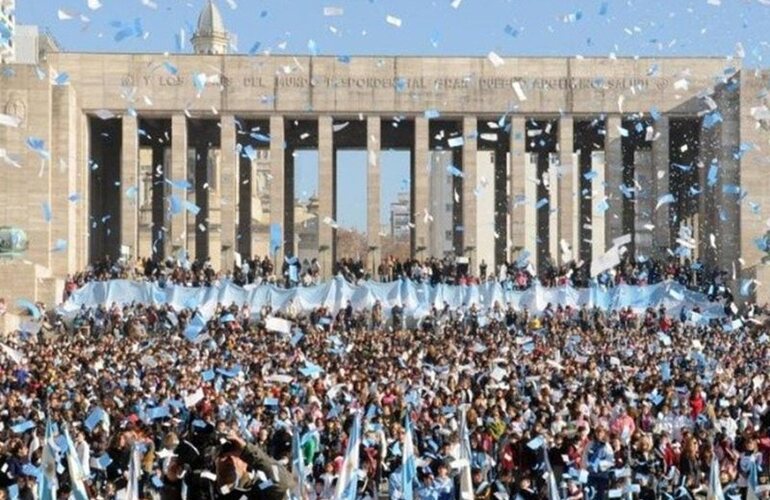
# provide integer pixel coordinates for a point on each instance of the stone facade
(536, 108)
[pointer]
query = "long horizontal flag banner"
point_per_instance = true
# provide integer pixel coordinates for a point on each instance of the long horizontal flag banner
(416, 299)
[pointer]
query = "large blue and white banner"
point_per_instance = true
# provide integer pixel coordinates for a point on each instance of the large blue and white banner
(415, 298)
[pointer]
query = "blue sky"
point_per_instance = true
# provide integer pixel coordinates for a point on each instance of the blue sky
(428, 27)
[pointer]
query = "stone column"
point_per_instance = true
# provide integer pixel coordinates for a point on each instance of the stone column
(178, 172)
(707, 199)
(530, 206)
(277, 184)
(325, 194)
(598, 198)
(645, 201)
(470, 208)
(373, 141)
(569, 187)
(517, 179)
(228, 191)
(728, 219)
(63, 167)
(214, 226)
(129, 186)
(554, 207)
(421, 186)
(613, 176)
(661, 162)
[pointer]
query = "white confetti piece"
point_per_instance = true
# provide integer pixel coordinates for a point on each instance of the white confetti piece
(455, 142)
(332, 11)
(681, 84)
(9, 121)
(94, 4)
(395, 21)
(456, 4)
(495, 59)
(519, 91)
(64, 15)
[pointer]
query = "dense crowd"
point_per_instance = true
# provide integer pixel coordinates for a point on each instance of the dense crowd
(514, 275)
(613, 403)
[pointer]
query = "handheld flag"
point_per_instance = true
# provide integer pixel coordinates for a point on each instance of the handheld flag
(347, 483)
(47, 482)
(408, 465)
(77, 476)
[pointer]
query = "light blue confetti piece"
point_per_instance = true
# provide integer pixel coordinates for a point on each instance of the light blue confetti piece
(746, 287)
(712, 175)
(191, 207)
(540, 204)
(400, 84)
(260, 137)
(199, 82)
(628, 191)
(343, 59)
(41, 74)
(254, 48)
(208, 375)
(62, 79)
(47, 214)
(731, 189)
(250, 152)
(602, 206)
(755, 207)
(30, 470)
(665, 371)
(132, 192)
(712, 119)
(96, 416)
(655, 114)
(536, 443)
(589, 176)
(742, 150)
(664, 200)
(511, 31)
(432, 114)
(175, 205)
(23, 427)
(38, 146)
(270, 402)
(123, 33)
(723, 214)
(683, 168)
(170, 68)
(158, 413)
(59, 246)
(296, 338)
(603, 8)
(181, 184)
(29, 307)
(452, 170)
(104, 461)
(312, 47)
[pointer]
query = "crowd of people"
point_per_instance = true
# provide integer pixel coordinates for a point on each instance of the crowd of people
(591, 403)
(514, 275)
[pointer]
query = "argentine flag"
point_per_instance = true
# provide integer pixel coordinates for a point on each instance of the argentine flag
(408, 465)
(48, 484)
(77, 476)
(347, 483)
(715, 485)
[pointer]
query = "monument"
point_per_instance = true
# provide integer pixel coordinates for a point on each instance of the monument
(147, 155)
